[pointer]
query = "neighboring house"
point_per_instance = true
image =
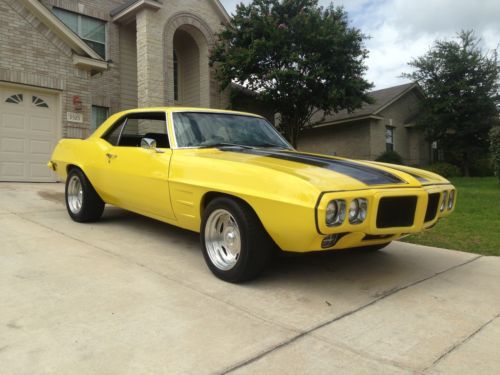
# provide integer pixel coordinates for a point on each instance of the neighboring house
(386, 125)
(65, 65)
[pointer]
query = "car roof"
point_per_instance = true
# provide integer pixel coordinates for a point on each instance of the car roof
(185, 109)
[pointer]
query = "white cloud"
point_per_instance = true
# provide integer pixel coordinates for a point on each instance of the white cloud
(403, 29)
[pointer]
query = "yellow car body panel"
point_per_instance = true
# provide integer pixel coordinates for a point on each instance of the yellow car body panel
(289, 197)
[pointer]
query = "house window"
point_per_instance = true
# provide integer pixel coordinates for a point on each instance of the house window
(176, 77)
(99, 115)
(389, 138)
(15, 99)
(91, 30)
(39, 102)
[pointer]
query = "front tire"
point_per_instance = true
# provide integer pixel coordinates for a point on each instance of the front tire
(82, 201)
(234, 243)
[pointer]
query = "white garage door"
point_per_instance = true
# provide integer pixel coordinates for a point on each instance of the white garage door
(28, 133)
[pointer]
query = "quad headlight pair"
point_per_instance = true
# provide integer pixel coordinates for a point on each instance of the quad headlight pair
(336, 211)
(448, 200)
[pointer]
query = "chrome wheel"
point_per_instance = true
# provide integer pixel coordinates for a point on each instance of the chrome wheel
(222, 239)
(75, 194)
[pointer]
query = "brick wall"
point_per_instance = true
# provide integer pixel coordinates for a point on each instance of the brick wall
(128, 67)
(409, 143)
(105, 86)
(197, 14)
(349, 140)
(32, 55)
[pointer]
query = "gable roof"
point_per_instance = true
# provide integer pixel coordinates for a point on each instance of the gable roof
(132, 3)
(128, 10)
(381, 100)
(59, 28)
(83, 55)
(223, 12)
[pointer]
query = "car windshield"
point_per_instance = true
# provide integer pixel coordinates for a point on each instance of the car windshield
(199, 129)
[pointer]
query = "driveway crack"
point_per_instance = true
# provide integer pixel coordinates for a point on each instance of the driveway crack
(457, 345)
(339, 317)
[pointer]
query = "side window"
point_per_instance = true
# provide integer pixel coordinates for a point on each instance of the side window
(136, 126)
(113, 135)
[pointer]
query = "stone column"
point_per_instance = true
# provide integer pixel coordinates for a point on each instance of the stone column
(149, 60)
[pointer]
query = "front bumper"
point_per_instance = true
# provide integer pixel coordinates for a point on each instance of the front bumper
(426, 214)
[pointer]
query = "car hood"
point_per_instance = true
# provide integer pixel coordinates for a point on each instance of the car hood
(326, 173)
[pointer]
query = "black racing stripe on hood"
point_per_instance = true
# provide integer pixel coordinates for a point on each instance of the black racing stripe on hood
(367, 175)
(415, 176)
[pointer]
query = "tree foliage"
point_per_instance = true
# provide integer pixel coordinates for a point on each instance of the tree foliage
(462, 86)
(495, 149)
(297, 56)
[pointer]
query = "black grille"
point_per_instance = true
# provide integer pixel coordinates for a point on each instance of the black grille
(432, 206)
(396, 212)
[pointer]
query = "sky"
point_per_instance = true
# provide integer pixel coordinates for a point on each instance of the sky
(400, 30)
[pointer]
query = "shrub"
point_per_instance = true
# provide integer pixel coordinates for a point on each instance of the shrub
(390, 157)
(444, 169)
(481, 167)
(495, 149)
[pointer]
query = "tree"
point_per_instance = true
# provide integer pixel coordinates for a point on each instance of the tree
(296, 56)
(461, 85)
(495, 149)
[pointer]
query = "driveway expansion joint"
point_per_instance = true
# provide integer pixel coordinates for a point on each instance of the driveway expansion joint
(457, 345)
(341, 316)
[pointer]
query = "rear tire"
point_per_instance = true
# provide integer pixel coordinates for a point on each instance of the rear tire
(234, 243)
(82, 201)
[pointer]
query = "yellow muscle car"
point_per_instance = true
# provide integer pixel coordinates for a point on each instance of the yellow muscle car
(233, 178)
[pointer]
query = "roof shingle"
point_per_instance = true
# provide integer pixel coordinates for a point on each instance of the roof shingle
(381, 98)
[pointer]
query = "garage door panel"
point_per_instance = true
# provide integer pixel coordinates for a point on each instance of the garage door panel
(28, 130)
(12, 121)
(12, 145)
(40, 147)
(12, 171)
(39, 170)
(42, 124)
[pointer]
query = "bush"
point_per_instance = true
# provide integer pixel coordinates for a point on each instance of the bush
(390, 157)
(495, 149)
(444, 169)
(481, 168)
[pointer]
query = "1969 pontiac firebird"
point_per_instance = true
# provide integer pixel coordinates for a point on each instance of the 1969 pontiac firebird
(232, 177)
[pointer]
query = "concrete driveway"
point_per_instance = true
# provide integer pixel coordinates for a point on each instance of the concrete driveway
(129, 295)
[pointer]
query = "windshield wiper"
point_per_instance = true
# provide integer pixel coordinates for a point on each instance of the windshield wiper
(225, 144)
(272, 145)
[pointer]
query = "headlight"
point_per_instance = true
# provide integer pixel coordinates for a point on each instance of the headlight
(443, 202)
(357, 210)
(451, 199)
(335, 213)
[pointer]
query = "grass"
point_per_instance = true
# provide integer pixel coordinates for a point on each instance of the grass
(474, 226)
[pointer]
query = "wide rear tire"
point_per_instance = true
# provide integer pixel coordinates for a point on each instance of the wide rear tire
(82, 201)
(234, 243)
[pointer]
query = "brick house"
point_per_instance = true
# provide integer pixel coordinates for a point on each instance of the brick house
(387, 124)
(65, 65)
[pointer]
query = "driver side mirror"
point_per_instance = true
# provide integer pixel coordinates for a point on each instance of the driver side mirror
(148, 143)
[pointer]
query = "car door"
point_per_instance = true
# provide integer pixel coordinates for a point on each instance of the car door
(135, 177)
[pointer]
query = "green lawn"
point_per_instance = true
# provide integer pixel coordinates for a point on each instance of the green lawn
(475, 224)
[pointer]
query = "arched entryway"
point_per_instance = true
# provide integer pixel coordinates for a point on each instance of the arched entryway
(187, 74)
(187, 70)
